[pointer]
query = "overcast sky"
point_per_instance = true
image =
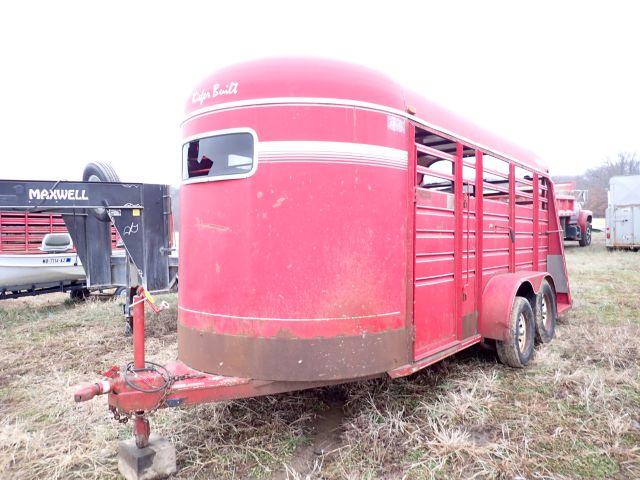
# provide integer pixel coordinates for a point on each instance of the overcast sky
(83, 81)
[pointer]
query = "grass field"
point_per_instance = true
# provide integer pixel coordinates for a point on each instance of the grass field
(574, 413)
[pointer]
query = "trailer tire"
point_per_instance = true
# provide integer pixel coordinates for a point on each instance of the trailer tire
(517, 349)
(585, 238)
(79, 294)
(121, 293)
(546, 313)
(99, 172)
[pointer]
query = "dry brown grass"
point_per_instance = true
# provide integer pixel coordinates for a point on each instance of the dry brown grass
(574, 413)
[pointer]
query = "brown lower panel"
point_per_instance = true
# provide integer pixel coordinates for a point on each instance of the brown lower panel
(292, 359)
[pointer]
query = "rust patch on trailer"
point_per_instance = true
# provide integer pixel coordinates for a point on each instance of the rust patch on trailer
(293, 359)
(469, 324)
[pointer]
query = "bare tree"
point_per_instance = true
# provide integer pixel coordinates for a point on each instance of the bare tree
(596, 180)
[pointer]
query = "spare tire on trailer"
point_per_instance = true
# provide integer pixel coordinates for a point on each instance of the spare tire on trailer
(100, 172)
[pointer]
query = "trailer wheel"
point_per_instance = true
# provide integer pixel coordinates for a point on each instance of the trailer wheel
(99, 172)
(79, 294)
(546, 313)
(517, 350)
(121, 293)
(585, 239)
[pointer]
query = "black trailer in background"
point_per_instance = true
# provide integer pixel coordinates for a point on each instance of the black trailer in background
(141, 214)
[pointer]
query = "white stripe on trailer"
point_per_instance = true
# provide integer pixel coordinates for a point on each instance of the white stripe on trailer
(332, 153)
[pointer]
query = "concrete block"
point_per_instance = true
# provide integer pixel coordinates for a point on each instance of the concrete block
(158, 460)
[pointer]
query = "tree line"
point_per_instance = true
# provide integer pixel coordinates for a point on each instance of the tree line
(596, 180)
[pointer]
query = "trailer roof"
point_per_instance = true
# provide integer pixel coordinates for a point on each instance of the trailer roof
(624, 190)
(325, 81)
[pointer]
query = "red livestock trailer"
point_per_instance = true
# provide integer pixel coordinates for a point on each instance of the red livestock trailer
(338, 226)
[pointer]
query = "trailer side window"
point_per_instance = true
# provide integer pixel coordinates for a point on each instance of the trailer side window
(469, 174)
(524, 186)
(435, 160)
(436, 181)
(229, 155)
(544, 193)
(496, 178)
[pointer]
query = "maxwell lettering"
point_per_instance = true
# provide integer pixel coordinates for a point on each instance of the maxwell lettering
(57, 194)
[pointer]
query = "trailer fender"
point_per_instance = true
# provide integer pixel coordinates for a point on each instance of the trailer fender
(498, 296)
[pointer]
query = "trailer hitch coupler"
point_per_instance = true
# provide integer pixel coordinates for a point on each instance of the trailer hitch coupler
(87, 392)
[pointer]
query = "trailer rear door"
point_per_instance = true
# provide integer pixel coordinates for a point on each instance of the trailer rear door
(623, 225)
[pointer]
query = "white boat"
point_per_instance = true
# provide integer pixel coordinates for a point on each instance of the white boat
(26, 270)
(54, 266)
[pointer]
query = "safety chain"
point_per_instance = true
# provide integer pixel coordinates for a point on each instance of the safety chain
(167, 389)
(125, 416)
(119, 417)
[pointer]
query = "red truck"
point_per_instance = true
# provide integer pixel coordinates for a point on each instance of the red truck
(574, 220)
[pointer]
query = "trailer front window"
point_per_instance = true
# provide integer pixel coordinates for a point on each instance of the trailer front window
(229, 155)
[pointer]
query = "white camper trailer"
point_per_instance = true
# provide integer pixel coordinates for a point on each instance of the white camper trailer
(623, 213)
